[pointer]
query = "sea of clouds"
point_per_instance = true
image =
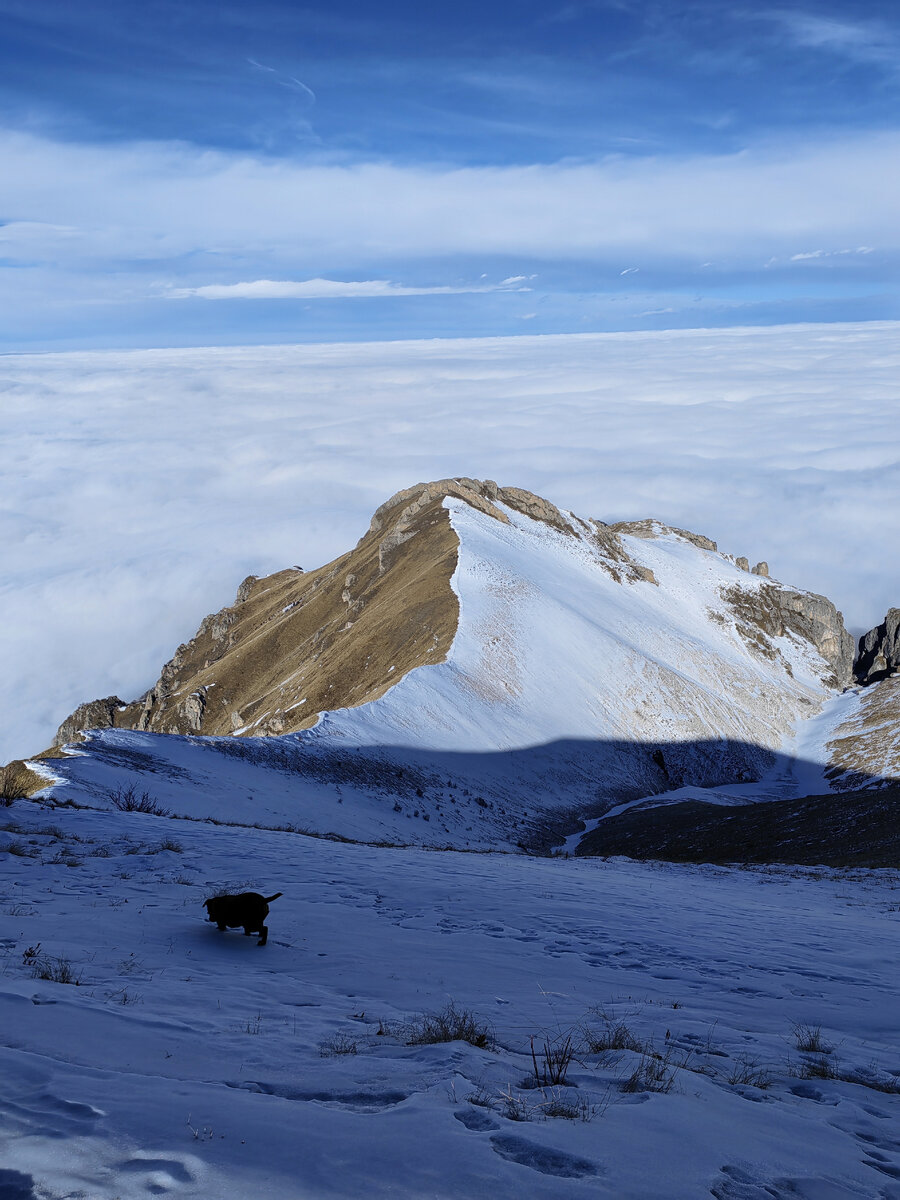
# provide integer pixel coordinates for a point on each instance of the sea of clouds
(140, 487)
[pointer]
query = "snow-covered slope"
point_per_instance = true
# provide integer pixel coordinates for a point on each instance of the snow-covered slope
(188, 1063)
(578, 666)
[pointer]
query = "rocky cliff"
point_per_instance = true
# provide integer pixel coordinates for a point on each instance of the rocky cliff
(879, 650)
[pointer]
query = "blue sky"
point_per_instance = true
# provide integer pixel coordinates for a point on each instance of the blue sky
(210, 172)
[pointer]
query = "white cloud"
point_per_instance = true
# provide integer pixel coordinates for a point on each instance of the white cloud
(830, 253)
(862, 41)
(157, 203)
(326, 289)
(139, 488)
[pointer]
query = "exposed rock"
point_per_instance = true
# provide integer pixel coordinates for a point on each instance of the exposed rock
(534, 507)
(761, 568)
(651, 528)
(879, 650)
(742, 563)
(771, 611)
(620, 564)
(246, 587)
(95, 714)
(412, 500)
(192, 709)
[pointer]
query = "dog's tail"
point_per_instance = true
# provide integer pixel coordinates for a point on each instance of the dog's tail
(269, 899)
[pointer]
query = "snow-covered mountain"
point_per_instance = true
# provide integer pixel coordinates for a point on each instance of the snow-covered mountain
(483, 670)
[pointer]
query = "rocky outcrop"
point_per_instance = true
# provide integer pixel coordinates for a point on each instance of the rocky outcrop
(879, 650)
(650, 528)
(771, 611)
(96, 714)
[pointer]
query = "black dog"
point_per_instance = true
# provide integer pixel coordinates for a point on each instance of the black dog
(249, 909)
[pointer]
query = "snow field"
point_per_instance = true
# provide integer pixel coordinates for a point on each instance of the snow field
(192, 1063)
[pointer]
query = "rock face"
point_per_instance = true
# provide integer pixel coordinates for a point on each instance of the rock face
(96, 714)
(773, 612)
(879, 650)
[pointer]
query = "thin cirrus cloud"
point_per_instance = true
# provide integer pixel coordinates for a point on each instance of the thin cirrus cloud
(331, 289)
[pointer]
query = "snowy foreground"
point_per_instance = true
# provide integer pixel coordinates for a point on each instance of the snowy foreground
(192, 1063)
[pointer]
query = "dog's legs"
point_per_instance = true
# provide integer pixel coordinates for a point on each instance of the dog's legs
(221, 928)
(248, 931)
(264, 935)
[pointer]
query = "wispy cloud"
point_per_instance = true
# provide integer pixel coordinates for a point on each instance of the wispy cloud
(330, 289)
(868, 41)
(831, 253)
(288, 81)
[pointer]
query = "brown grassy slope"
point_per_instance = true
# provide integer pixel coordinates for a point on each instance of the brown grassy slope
(296, 644)
(868, 742)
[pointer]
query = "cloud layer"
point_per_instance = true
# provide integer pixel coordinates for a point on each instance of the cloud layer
(139, 488)
(327, 289)
(153, 202)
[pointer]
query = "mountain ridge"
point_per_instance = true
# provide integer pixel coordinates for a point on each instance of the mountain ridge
(485, 670)
(282, 639)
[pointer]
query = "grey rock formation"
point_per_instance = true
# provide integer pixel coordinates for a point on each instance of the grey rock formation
(742, 562)
(761, 568)
(771, 611)
(193, 707)
(246, 587)
(650, 528)
(879, 650)
(96, 714)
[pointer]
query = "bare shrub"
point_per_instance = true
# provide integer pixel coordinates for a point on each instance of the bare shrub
(653, 1073)
(749, 1073)
(614, 1035)
(570, 1106)
(17, 782)
(808, 1039)
(56, 970)
(21, 850)
(516, 1108)
(167, 844)
(338, 1045)
(817, 1068)
(551, 1062)
(451, 1024)
(126, 799)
